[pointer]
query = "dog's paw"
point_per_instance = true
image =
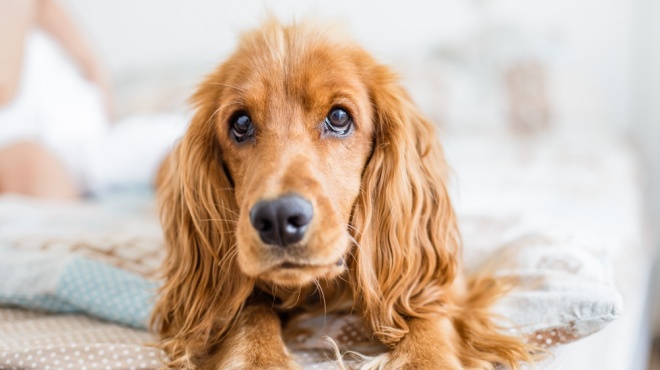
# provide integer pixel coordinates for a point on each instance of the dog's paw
(291, 365)
(408, 361)
(406, 358)
(257, 362)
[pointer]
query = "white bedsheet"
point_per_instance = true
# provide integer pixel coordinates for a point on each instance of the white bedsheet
(586, 190)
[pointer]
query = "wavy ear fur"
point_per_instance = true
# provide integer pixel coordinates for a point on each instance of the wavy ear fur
(406, 262)
(204, 288)
(408, 242)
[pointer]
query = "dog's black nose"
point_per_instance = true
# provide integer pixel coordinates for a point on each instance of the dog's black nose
(282, 221)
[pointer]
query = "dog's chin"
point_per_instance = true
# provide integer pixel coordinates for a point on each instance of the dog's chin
(298, 266)
(295, 275)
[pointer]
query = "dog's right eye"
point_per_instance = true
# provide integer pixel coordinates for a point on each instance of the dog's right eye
(241, 127)
(338, 121)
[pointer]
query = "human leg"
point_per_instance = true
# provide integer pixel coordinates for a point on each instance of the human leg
(16, 19)
(28, 168)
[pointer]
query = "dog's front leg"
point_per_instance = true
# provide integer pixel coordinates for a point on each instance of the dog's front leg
(254, 342)
(430, 344)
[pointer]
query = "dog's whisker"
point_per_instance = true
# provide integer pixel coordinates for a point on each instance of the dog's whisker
(230, 232)
(350, 228)
(352, 255)
(274, 295)
(325, 307)
(219, 219)
(233, 251)
(352, 239)
(222, 207)
(212, 116)
(297, 299)
(227, 258)
(342, 278)
(230, 103)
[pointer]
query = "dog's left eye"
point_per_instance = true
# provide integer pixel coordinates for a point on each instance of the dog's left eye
(241, 126)
(338, 121)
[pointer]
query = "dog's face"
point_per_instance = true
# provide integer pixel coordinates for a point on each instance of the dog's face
(294, 124)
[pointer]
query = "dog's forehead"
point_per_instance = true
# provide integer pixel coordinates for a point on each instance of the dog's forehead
(308, 79)
(305, 77)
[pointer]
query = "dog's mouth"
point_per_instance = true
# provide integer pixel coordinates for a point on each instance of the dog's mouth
(296, 265)
(290, 273)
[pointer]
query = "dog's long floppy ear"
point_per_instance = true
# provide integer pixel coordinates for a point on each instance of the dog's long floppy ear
(204, 287)
(408, 242)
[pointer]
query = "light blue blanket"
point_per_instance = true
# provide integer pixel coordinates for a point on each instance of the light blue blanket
(68, 283)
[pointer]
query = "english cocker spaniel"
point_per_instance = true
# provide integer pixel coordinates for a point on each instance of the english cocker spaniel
(308, 180)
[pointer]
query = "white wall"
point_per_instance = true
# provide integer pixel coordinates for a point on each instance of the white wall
(588, 41)
(141, 33)
(646, 116)
(646, 93)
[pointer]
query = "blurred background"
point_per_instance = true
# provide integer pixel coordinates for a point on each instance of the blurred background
(588, 66)
(587, 71)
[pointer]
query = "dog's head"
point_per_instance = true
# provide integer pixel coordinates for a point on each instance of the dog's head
(305, 160)
(294, 122)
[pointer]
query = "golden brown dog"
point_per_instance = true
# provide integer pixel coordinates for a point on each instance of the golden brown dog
(309, 178)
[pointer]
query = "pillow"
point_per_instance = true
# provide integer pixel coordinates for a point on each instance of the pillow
(560, 293)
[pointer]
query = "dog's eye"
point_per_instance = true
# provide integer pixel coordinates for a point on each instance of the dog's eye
(241, 127)
(338, 121)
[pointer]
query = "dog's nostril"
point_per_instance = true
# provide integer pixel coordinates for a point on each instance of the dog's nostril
(298, 220)
(282, 221)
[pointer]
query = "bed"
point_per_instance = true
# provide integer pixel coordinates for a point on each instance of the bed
(560, 214)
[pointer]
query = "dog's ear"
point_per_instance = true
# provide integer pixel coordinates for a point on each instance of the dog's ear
(408, 242)
(204, 288)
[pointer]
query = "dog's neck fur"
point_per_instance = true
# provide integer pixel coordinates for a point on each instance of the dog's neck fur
(324, 296)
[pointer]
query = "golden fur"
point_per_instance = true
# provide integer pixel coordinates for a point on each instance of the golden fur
(380, 203)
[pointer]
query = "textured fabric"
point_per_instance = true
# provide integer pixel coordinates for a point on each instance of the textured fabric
(566, 286)
(582, 192)
(556, 209)
(563, 292)
(75, 284)
(107, 292)
(29, 279)
(120, 229)
(33, 340)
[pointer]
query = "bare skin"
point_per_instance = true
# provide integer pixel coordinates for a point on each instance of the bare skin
(17, 17)
(29, 169)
